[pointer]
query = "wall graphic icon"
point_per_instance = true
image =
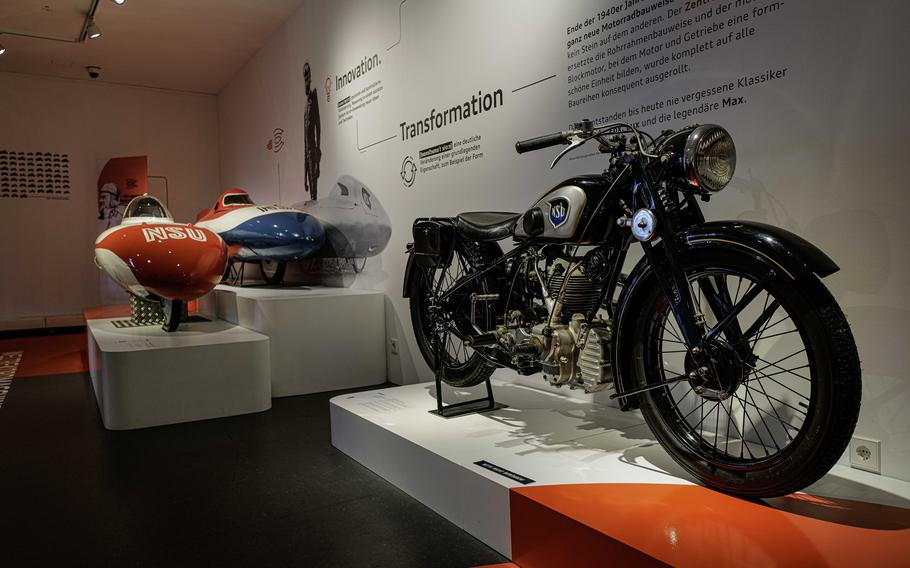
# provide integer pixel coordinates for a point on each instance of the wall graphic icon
(276, 142)
(408, 171)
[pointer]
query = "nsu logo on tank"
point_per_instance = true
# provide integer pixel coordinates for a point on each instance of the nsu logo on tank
(177, 233)
(559, 211)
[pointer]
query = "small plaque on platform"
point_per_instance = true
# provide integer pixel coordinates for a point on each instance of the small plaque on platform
(504, 472)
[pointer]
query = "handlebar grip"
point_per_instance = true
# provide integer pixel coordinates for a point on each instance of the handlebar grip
(555, 139)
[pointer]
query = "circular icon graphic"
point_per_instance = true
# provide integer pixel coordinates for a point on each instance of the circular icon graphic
(277, 141)
(408, 171)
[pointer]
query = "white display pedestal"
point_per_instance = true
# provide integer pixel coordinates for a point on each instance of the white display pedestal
(320, 338)
(554, 440)
(143, 376)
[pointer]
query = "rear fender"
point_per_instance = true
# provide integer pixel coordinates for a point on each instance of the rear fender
(412, 266)
(410, 272)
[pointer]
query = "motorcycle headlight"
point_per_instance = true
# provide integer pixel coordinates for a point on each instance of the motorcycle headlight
(709, 157)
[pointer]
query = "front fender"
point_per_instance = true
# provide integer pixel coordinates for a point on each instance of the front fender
(788, 254)
(791, 253)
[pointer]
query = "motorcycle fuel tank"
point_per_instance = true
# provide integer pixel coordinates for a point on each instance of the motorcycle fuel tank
(562, 208)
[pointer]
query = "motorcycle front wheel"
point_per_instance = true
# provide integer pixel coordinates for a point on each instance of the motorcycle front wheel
(783, 391)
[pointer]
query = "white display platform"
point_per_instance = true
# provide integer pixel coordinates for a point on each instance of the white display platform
(320, 338)
(545, 435)
(143, 376)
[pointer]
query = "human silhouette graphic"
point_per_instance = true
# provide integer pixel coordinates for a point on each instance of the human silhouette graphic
(312, 133)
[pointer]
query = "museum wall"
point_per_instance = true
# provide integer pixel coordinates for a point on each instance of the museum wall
(812, 92)
(48, 268)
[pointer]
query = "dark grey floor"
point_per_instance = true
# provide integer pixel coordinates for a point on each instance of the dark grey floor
(259, 490)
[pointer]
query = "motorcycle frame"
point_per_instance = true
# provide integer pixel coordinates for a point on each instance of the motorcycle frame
(666, 263)
(678, 236)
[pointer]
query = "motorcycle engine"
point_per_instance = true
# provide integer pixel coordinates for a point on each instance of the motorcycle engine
(581, 292)
(579, 355)
(574, 353)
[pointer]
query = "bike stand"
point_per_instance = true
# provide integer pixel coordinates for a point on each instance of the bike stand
(237, 274)
(474, 406)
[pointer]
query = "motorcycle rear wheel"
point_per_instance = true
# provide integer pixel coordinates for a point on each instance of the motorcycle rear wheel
(462, 366)
(788, 416)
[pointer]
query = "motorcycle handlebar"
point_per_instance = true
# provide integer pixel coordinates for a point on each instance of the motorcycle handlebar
(555, 139)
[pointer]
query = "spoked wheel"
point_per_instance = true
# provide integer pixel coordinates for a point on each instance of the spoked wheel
(462, 366)
(771, 402)
(272, 272)
(173, 312)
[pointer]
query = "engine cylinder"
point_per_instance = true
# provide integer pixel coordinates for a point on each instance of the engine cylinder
(581, 293)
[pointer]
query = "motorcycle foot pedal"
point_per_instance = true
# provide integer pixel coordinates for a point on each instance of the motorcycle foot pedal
(489, 338)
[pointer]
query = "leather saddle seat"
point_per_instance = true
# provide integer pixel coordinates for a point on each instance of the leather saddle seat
(486, 225)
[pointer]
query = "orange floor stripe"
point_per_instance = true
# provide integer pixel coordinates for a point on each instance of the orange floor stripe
(685, 525)
(103, 312)
(49, 354)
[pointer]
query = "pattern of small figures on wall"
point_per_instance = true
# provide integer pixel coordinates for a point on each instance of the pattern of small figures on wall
(43, 175)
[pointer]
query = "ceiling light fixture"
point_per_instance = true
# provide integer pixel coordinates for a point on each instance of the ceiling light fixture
(93, 31)
(2, 49)
(119, 2)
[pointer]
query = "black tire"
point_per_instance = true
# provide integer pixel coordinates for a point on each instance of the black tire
(796, 451)
(463, 367)
(173, 313)
(272, 272)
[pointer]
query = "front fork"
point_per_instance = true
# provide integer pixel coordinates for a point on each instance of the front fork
(669, 270)
(668, 267)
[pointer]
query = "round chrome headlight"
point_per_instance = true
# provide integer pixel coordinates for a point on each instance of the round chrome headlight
(709, 157)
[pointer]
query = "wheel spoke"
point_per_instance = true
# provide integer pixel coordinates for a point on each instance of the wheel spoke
(775, 373)
(791, 407)
(776, 335)
(759, 379)
(777, 414)
(783, 319)
(701, 423)
(767, 312)
(717, 424)
(679, 339)
(734, 312)
(762, 419)
(776, 366)
(738, 286)
(742, 439)
(751, 423)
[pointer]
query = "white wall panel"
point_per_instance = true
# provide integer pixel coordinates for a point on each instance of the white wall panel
(821, 149)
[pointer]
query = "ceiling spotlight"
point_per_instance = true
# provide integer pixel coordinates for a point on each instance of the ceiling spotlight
(2, 49)
(119, 2)
(93, 31)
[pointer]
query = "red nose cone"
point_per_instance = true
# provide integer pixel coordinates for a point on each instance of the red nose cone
(176, 262)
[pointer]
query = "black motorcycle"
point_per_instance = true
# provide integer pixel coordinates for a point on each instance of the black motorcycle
(740, 360)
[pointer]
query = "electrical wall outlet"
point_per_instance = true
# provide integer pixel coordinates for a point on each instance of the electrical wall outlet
(393, 346)
(866, 454)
